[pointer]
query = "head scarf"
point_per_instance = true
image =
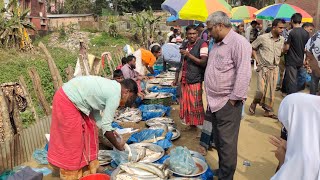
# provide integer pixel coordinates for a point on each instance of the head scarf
(300, 115)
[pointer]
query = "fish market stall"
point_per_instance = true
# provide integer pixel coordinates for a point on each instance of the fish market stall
(154, 149)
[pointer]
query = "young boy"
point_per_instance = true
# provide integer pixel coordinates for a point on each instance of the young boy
(118, 76)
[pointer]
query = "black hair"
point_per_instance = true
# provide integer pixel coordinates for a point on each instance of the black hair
(277, 21)
(296, 18)
(130, 58)
(155, 49)
(190, 27)
(131, 85)
(254, 23)
(117, 73)
(124, 60)
(159, 33)
(201, 25)
(175, 31)
(172, 28)
(308, 24)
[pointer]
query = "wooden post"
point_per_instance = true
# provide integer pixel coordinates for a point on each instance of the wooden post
(28, 97)
(57, 80)
(38, 89)
(69, 71)
(5, 125)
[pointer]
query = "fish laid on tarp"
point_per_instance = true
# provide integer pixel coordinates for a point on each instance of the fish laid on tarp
(159, 120)
(157, 95)
(128, 115)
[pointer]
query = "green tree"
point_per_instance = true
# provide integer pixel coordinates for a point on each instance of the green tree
(78, 6)
(13, 25)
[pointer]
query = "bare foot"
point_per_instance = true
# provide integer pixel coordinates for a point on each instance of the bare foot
(202, 150)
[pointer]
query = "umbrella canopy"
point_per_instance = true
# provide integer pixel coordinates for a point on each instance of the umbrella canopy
(282, 11)
(175, 21)
(243, 13)
(195, 9)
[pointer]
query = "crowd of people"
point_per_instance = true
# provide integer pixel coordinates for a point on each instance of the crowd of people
(216, 57)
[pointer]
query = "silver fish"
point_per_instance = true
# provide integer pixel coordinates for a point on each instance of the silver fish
(135, 171)
(148, 167)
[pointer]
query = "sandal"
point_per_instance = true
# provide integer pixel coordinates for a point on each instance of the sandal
(252, 108)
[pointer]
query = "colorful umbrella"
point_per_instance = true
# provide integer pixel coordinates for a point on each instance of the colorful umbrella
(195, 9)
(176, 21)
(283, 11)
(243, 13)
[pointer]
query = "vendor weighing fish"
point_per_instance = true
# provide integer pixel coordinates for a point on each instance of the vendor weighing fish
(79, 107)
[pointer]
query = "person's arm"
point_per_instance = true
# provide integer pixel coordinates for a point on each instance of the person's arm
(105, 122)
(164, 65)
(150, 69)
(241, 59)
(281, 146)
(247, 34)
(287, 43)
(255, 46)
(203, 55)
(313, 63)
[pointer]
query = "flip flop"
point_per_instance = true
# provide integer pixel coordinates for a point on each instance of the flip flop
(252, 109)
(273, 116)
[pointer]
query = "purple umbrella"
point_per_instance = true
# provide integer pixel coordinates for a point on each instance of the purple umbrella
(173, 6)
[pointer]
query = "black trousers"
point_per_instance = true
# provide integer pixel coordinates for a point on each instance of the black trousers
(290, 81)
(226, 124)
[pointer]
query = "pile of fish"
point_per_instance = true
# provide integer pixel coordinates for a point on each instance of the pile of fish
(144, 152)
(167, 128)
(142, 171)
(159, 120)
(157, 95)
(128, 115)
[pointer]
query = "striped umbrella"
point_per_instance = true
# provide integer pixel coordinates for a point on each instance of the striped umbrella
(195, 9)
(282, 11)
(243, 13)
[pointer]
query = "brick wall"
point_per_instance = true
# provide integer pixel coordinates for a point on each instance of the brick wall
(310, 6)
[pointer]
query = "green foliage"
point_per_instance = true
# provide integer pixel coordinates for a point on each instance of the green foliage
(78, 6)
(12, 25)
(113, 29)
(14, 63)
(145, 23)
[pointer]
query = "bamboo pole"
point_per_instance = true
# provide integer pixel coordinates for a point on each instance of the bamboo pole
(69, 71)
(28, 97)
(39, 91)
(57, 80)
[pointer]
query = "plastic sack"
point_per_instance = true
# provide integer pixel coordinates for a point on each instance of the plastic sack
(165, 143)
(116, 125)
(45, 171)
(119, 157)
(156, 73)
(154, 110)
(181, 161)
(6, 174)
(161, 160)
(208, 175)
(145, 134)
(40, 155)
(172, 90)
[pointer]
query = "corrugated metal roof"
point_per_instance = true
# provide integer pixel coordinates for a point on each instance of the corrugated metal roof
(67, 15)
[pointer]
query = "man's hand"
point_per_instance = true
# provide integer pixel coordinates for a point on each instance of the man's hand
(184, 52)
(281, 146)
(174, 83)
